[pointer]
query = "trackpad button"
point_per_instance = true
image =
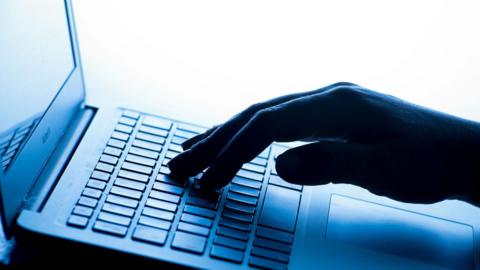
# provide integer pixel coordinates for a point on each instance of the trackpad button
(400, 232)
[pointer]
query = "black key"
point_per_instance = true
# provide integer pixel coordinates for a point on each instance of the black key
(226, 253)
(127, 121)
(275, 234)
(126, 192)
(250, 175)
(85, 201)
(168, 188)
(109, 159)
(150, 138)
(199, 211)
(96, 184)
(155, 222)
(130, 184)
(122, 201)
(270, 254)
(116, 143)
(280, 208)
(157, 213)
(124, 128)
(247, 182)
(165, 196)
(235, 224)
(144, 153)
(241, 198)
(265, 263)
(276, 180)
(161, 205)
(137, 168)
(133, 176)
(244, 190)
(253, 168)
(131, 114)
(100, 175)
(83, 211)
(175, 148)
(104, 167)
(233, 233)
(77, 221)
(187, 227)
(169, 180)
(259, 161)
(185, 134)
(150, 235)
(157, 122)
(90, 192)
(189, 242)
(154, 131)
(147, 145)
(110, 228)
(112, 218)
(178, 140)
(120, 136)
(140, 160)
(229, 242)
(238, 216)
(205, 222)
(201, 202)
(265, 243)
(239, 207)
(118, 209)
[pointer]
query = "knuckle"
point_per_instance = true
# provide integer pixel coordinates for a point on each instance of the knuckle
(263, 117)
(346, 93)
(337, 84)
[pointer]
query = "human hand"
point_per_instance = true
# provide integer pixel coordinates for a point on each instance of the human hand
(386, 145)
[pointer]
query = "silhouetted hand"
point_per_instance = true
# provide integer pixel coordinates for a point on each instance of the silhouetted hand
(379, 142)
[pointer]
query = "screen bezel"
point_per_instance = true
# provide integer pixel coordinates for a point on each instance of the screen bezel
(32, 157)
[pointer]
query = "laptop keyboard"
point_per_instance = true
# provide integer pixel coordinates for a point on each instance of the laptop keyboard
(130, 194)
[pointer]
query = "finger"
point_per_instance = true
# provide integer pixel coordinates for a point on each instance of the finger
(204, 152)
(190, 142)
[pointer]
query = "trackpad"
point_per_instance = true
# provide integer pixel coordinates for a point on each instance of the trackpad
(400, 232)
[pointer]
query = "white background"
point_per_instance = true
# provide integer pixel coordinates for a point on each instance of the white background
(205, 60)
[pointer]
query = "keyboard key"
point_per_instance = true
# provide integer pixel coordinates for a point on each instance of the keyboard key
(133, 176)
(276, 180)
(235, 224)
(244, 190)
(109, 159)
(226, 253)
(77, 221)
(168, 188)
(90, 192)
(137, 168)
(165, 170)
(264, 154)
(191, 128)
(189, 242)
(110, 228)
(140, 160)
(120, 136)
(239, 207)
(187, 227)
(253, 168)
(178, 140)
(130, 184)
(250, 175)
(147, 145)
(280, 208)
(171, 154)
(126, 192)
(157, 213)
(144, 153)
(169, 180)
(112, 218)
(100, 175)
(116, 143)
(131, 114)
(155, 222)
(154, 131)
(246, 182)
(247, 218)
(233, 233)
(150, 138)
(265, 263)
(127, 121)
(259, 161)
(122, 201)
(229, 242)
(175, 148)
(85, 201)
(265, 243)
(96, 184)
(274, 170)
(150, 235)
(118, 209)
(199, 211)
(201, 202)
(104, 167)
(124, 128)
(161, 205)
(270, 254)
(275, 234)
(82, 211)
(241, 198)
(205, 222)
(157, 122)
(165, 196)
(185, 134)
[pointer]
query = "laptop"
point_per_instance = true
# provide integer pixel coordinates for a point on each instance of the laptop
(95, 174)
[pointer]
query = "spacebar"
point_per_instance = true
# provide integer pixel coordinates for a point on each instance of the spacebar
(280, 208)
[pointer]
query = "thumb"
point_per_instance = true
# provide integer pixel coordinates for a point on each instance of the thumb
(324, 162)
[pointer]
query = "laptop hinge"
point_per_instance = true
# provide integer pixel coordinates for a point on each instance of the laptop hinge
(59, 160)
